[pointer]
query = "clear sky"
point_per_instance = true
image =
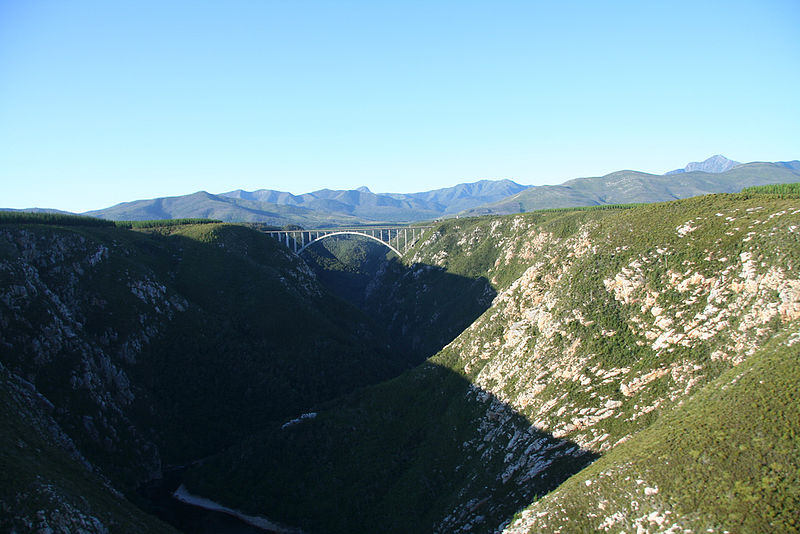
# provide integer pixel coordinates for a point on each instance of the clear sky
(109, 101)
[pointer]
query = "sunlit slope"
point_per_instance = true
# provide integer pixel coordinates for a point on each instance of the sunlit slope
(604, 321)
(727, 460)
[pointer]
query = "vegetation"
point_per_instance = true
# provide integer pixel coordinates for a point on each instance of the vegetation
(45, 483)
(179, 340)
(347, 265)
(162, 223)
(779, 190)
(727, 460)
(57, 219)
(595, 207)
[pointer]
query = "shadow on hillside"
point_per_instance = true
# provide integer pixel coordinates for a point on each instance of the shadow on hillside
(425, 452)
(425, 307)
(421, 308)
(173, 344)
(194, 345)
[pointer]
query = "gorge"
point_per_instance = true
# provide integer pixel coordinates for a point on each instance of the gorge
(559, 370)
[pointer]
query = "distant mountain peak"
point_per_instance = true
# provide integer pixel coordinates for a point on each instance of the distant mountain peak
(363, 189)
(715, 164)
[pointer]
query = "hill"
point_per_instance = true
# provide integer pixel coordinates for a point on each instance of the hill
(328, 207)
(625, 187)
(733, 446)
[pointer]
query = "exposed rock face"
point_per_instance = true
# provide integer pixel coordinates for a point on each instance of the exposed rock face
(603, 332)
(593, 362)
(547, 343)
(714, 164)
(50, 336)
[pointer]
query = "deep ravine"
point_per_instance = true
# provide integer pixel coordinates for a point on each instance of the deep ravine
(510, 374)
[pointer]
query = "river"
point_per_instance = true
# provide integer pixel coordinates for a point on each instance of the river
(189, 518)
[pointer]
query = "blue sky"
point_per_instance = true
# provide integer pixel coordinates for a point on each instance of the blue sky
(104, 102)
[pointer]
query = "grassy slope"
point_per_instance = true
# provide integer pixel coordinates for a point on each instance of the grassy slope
(727, 460)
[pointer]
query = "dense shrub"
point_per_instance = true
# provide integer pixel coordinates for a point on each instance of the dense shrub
(61, 219)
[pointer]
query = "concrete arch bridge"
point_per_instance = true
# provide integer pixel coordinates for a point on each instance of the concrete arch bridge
(399, 239)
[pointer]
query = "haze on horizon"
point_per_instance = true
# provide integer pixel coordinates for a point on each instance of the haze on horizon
(103, 102)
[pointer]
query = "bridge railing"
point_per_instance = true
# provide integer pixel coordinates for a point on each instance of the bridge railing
(399, 239)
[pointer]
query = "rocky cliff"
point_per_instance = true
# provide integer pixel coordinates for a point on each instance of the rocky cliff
(151, 349)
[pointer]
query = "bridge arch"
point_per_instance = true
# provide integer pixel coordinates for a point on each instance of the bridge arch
(349, 232)
(398, 239)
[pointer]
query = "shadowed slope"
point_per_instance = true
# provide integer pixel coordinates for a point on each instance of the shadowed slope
(165, 347)
(395, 457)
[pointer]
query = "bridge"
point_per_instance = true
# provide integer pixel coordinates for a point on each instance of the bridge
(399, 239)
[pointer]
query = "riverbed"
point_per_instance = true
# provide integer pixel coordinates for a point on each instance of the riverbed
(189, 518)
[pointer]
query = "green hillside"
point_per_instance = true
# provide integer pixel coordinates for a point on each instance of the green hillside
(727, 460)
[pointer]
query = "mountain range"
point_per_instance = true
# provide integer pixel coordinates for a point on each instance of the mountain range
(327, 207)
(633, 187)
(320, 208)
